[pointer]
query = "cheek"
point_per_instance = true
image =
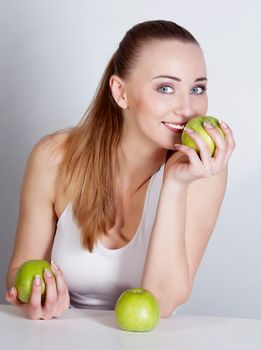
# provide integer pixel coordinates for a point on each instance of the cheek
(146, 103)
(206, 104)
(202, 105)
(144, 106)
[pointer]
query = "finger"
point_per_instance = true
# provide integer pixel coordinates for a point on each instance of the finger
(51, 294)
(191, 154)
(34, 309)
(62, 290)
(220, 143)
(11, 297)
(229, 139)
(204, 150)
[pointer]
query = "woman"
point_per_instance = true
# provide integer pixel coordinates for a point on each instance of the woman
(117, 201)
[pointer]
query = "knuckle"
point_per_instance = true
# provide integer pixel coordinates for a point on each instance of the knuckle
(36, 288)
(222, 147)
(35, 301)
(233, 144)
(49, 309)
(190, 151)
(33, 306)
(198, 173)
(62, 295)
(50, 301)
(207, 173)
(203, 146)
(63, 289)
(62, 303)
(51, 283)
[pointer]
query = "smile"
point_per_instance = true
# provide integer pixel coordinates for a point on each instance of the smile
(174, 127)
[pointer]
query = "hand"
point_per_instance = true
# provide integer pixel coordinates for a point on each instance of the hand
(185, 165)
(57, 297)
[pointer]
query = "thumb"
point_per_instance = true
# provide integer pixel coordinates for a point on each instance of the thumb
(11, 296)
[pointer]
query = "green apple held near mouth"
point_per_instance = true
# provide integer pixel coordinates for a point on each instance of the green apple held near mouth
(197, 124)
(137, 310)
(25, 276)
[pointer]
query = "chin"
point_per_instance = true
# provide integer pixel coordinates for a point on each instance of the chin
(170, 145)
(167, 143)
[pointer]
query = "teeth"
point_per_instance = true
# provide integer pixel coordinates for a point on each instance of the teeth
(175, 126)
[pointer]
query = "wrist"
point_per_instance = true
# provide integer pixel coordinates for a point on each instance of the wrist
(175, 186)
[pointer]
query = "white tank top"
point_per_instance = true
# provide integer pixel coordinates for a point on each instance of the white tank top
(96, 279)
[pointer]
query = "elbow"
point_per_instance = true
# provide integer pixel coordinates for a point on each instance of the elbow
(168, 304)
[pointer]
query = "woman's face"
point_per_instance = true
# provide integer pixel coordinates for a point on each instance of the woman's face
(165, 89)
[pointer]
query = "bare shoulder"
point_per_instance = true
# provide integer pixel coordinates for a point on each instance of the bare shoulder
(42, 176)
(48, 152)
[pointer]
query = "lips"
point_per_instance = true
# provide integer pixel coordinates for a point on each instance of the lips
(175, 127)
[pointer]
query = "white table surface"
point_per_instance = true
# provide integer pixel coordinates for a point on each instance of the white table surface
(92, 329)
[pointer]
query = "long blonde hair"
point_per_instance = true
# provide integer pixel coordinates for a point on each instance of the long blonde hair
(91, 145)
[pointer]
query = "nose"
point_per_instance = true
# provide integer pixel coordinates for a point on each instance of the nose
(183, 106)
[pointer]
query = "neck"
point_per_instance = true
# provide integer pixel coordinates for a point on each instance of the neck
(135, 164)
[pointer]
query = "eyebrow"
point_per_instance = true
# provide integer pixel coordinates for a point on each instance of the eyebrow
(178, 79)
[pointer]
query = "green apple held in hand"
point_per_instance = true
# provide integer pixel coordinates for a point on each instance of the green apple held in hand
(197, 124)
(25, 276)
(137, 310)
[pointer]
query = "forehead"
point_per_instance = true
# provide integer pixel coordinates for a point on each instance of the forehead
(170, 57)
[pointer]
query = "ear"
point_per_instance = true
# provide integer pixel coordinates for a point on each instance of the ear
(118, 91)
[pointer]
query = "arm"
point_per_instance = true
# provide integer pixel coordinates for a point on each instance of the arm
(36, 222)
(185, 220)
(37, 219)
(191, 196)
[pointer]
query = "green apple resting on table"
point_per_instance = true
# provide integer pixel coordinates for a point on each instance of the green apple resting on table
(25, 276)
(197, 124)
(137, 310)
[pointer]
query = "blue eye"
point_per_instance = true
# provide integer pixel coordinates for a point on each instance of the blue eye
(198, 90)
(166, 89)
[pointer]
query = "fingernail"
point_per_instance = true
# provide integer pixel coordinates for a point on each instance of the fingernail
(225, 126)
(11, 292)
(55, 267)
(48, 273)
(37, 280)
(188, 130)
(208, 126)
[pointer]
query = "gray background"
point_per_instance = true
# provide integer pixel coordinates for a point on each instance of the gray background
(52, 55)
